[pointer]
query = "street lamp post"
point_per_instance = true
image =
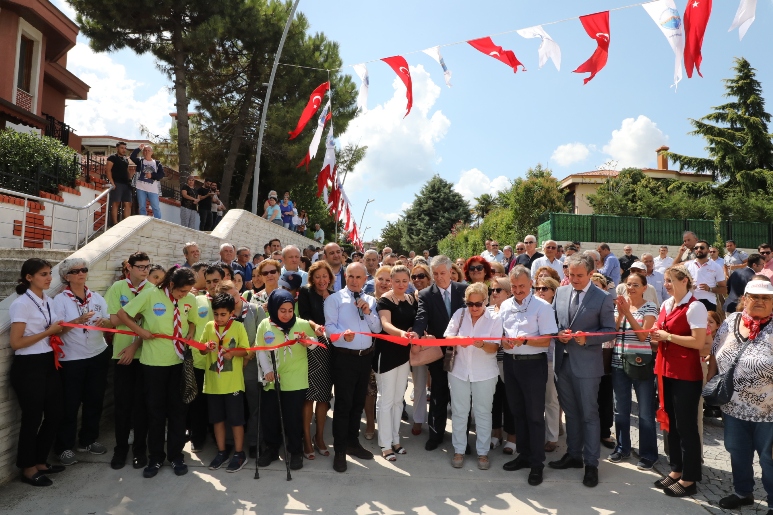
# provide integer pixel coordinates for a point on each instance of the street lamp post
(364, 208)
(264, 107)
(363, 234)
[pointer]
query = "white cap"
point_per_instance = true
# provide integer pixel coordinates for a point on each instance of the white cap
(759, 287)
(639, 265)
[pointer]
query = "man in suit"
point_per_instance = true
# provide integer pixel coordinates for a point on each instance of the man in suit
(436, 305)
(580, 308)
(738, 279)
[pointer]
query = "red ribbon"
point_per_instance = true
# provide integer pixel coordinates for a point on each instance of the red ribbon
(56, 344)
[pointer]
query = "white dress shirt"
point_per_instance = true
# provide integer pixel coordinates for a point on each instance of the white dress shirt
(661, 264)
(532, 317)
(79, 343)
(708, 273)
(697, 314)
(556, 265)
(471, 363)
(342, 314)
(37, 314)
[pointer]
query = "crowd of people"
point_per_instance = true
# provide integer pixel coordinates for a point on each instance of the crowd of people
(531, 334)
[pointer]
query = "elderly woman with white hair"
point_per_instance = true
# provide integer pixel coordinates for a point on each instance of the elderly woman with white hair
(85, 362)
(474, 373)
(149, 173)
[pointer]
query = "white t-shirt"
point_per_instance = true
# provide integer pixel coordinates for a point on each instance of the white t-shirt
(38, 315)
(709, 273)
(80, 343)
(661, 264)
(151, 187)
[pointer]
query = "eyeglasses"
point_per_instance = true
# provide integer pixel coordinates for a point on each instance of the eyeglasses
(495, 290)
(140, 267)
(759, 298)
(634, 285)
(264, 273)
(530, 242)
(474, 304)
(476, 268)
(551, 247)
(713, 251)
(542, 288)
(76, 271)
(418, 276)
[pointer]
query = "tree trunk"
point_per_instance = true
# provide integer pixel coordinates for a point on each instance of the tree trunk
(248, 176)
(181, 102)
(238, 134)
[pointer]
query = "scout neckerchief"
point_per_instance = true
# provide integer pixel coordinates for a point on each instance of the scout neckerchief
(177, 333)
(220, 347)
(82, 305)
(138, 289)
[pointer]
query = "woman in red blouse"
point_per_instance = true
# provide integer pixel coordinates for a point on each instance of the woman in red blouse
(681, 333)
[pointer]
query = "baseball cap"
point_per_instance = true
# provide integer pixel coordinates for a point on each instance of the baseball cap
(759, 287)
(290, 280)
(639, 265)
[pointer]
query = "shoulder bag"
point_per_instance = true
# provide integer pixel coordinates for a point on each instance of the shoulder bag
(719, 390)
(188, 387)
(638, 366)
(450, 355)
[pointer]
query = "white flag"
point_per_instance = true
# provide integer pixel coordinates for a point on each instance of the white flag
(362, 98)
(548, 49)
(318, 133)
(666, 15)
(744, 17)
(434, 53)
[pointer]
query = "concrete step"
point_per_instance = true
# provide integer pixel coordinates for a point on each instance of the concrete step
(6, 289)
(11, 261)
(48, 254)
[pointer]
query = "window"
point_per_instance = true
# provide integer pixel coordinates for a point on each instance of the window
(24, 78)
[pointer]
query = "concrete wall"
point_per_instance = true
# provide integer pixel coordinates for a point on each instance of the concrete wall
(163, 241)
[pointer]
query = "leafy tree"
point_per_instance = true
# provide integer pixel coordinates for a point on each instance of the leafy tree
(392, 236)
(36, 162)
(172, 30)
(528, 198)
(483, 205)
(433, 213)
(738, 143)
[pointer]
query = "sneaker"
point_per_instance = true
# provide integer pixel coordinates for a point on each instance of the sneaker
(645, 464)
(179, 466)
(220, 458)
(618, 456)
(68, 458)
(238, 461)
(93, 448)
(151, 470)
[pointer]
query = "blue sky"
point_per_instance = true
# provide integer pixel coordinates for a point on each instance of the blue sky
(492, 125)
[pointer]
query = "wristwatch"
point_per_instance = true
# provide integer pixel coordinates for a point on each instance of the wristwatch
(669, 337)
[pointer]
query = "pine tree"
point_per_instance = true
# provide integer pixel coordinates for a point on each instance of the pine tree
(433, 213)
(739, 145)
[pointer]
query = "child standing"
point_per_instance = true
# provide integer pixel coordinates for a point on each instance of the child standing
(224, 379)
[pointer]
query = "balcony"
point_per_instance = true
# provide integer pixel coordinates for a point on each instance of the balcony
(57, 129)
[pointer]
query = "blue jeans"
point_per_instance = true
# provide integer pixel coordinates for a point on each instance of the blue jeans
(742, 438)
(142, 197)
(645, 396)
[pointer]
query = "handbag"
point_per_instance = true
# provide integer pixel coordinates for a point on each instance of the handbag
(424, 354)
(638, 366)
(719, 390)
(450, 355)
(188, 387)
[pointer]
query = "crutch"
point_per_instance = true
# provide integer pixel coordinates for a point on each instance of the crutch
(260, 397)
(281, 417)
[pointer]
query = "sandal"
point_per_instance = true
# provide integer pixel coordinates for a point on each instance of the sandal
(369, 435)
(509, 448)
(679, 490)
(399, 449)
(320, 450)
(309, 456)
(495, 442)
(389, 456)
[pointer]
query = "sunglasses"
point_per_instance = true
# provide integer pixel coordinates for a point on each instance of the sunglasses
(76, 271)
(699, 247)
(530, 242)
(476, 268)
(141, 267)
(566, 266)
(764, 253)
(495, 290)
(268, 272)
(474, 304)
(550, 248)
(495, 244)
(541, 288)
(418, 276)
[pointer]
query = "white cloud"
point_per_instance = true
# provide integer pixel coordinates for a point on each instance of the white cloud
(474, 183)
(570, 153)
(114, 105)
(392, 217)
(65, 7)
(401, 151)
(635, 142)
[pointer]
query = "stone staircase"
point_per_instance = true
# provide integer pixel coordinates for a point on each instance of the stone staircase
(12, 259)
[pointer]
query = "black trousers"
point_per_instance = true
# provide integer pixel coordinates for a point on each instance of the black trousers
(130, 410)
(606, 399)
(205, 220)
(438, 406)
(681, 402)
(292, 411)
(83, 383)
(525, 382)
(500, 410)
(710, 306)
(350, 380)
(197, 420)
(38, 387)
(166, 410)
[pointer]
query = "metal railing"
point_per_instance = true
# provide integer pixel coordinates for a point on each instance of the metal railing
(57, 129)
(100, 220)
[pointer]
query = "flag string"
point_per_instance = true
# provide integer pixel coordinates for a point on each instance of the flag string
(571, 18)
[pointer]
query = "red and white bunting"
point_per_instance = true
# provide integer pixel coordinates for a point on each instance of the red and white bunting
(400, 66)
(597, 27)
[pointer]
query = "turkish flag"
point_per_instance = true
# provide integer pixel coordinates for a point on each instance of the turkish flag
(305, 162)
(315, 100)
(597, 27)
(696, 17)
(322, 180)
(400, 66)
(487, 46)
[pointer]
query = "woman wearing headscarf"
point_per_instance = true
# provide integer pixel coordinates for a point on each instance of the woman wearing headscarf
(292, 365)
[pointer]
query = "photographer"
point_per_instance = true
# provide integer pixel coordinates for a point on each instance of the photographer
(217, 207)
(149, 172)
(205, 206)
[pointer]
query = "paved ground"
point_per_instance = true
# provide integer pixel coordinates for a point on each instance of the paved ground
(420, 483)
